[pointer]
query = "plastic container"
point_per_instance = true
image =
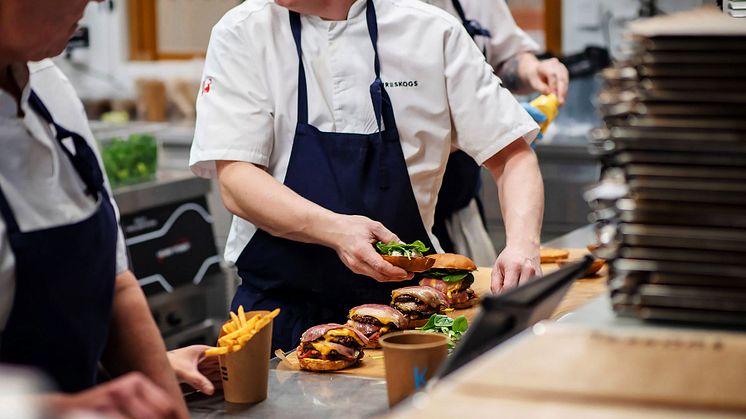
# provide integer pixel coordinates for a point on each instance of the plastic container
(549, 106)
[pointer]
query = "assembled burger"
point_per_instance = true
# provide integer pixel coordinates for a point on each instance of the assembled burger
(451, 274)
(375, 320)
(409, 257)
(330, 347)
(418, 303)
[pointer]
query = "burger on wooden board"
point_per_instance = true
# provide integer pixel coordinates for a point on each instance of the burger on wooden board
(418, 303)
(330, 347)
(452, 275)
(375, 320)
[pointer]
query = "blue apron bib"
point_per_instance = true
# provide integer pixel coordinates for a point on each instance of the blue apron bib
(461, 180)
(64, 281)
(362, 174)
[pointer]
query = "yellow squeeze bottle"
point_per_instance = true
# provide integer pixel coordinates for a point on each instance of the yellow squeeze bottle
(549, 106)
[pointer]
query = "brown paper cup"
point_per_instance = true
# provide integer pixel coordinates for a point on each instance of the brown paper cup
(411, 358)
(246, 373)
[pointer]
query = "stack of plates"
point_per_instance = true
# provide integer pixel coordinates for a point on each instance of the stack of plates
(671, 205)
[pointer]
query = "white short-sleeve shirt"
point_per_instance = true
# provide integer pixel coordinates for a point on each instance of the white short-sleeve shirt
(443, 92)
(506, 38)
(38, 179)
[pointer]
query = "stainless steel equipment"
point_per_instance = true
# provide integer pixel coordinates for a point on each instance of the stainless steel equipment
(171, 245)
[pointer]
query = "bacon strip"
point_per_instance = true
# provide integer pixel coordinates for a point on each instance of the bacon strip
(427, 295)
(385, 314)
(318, 331)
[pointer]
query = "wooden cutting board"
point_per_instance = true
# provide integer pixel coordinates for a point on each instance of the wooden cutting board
(581, 292)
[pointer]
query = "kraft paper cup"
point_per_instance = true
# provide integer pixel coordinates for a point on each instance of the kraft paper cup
(245, 373)
(411, 358)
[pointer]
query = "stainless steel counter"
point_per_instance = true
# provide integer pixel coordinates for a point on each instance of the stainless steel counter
(304, 395)
(168, 186)
(314, 395)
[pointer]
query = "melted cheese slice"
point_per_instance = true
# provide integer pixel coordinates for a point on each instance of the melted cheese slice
(321, 347)
(342, 332)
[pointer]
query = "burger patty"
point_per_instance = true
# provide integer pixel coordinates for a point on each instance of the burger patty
(406, 298)
(367, 320)
(346, 341)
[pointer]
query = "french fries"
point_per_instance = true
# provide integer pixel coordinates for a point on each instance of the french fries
(239, 330)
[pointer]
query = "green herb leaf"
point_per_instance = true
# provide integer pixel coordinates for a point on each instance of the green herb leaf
(455, 277)
(453, 328)
(460, 324)
(416, 248)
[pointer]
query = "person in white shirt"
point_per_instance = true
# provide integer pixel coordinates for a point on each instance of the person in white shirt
(67, 298)
(459, 213)
(328, 125)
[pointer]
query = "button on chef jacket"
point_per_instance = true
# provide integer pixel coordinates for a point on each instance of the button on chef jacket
(506, 38)
(443, 92)
(41, 185)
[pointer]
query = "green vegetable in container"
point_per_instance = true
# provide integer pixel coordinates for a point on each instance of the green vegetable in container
(130, 161)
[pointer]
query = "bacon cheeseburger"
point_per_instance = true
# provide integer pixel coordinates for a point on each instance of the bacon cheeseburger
(417, 304)
(375, 320)
(451, 274)
(330, 347)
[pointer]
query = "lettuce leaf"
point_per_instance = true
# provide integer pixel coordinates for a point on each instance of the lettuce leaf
(453, 328)
(414, 249)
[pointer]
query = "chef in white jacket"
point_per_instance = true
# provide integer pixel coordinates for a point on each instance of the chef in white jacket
(328, 126)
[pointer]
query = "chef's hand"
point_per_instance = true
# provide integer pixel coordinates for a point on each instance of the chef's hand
(515, 266)
(195, 369)
(353, 241)
(549, 76)
(129, 396)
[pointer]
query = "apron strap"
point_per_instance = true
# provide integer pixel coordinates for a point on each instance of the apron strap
(472, 26)
(382, 106)
(295, 26)
(11, 224)
(84, 160)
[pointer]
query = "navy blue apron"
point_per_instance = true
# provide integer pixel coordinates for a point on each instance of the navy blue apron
(64, 281)
(461, 181)
(363, 174)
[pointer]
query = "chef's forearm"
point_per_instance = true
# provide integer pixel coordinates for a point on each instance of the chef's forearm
(514, 73)
(135, 344)
(521, 190)
(254, 195)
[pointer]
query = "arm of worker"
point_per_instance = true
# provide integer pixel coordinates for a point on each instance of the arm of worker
(135, 343)
(130, 396)
(524, 74)
(495, 130)
(249, 192)
(515, 170)
(511, 52)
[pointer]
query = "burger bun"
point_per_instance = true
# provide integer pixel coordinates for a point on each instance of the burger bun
(452, 261)
(415, 264)
(321, 365)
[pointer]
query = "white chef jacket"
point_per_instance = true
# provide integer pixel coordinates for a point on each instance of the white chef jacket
(443, 92)
(506, 38)
(41, 185)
